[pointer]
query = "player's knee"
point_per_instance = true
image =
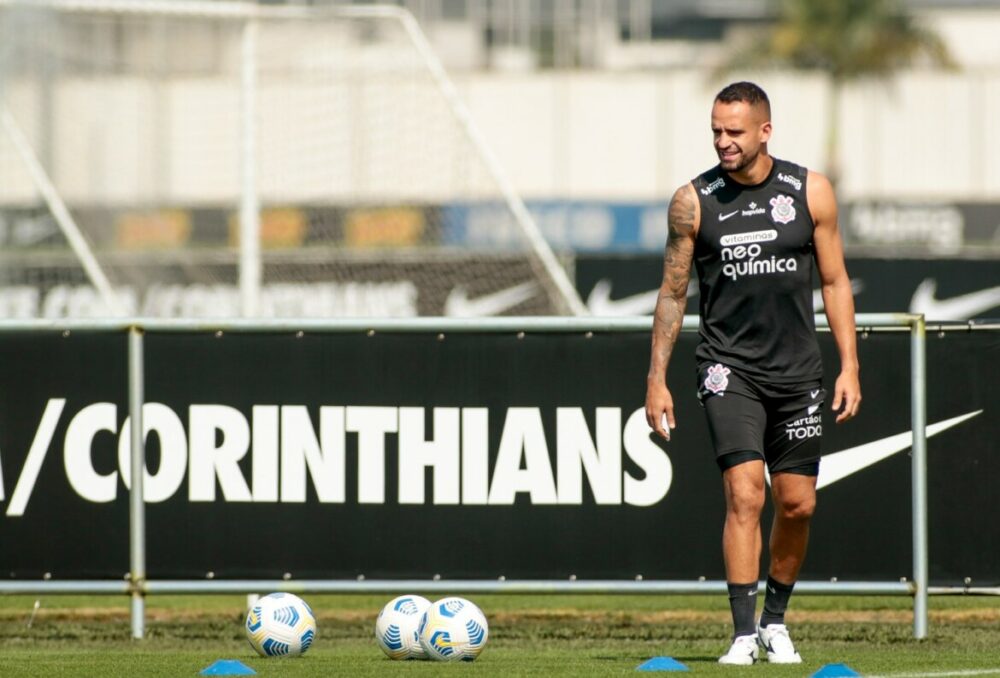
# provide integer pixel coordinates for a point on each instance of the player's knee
(746, 503)
(798, 508)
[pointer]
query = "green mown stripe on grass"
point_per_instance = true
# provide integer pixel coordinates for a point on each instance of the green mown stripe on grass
(529, 636)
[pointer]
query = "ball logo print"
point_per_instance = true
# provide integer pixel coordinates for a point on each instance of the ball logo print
(406, 606)
(275, 648)
(397, 624)
(287, 615)
(392, 638)
(453, 629)
(441, 642)
(280, 625)
(451, 607)
(253, 619)
(477, 633)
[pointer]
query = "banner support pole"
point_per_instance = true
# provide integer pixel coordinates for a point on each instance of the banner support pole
(137, 509)
(918, 405)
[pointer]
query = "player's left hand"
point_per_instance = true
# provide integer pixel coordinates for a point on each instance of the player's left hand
(846, 396)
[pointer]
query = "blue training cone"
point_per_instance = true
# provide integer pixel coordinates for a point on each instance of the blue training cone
(835, 671)
(228, 667)
(661, 664)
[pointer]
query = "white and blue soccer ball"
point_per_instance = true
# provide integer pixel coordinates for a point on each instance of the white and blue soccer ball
(280, 625)
(396, 627)
(453, 629)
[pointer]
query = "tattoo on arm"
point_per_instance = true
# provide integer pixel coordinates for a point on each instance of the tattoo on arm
(677, 257)
(680, 244)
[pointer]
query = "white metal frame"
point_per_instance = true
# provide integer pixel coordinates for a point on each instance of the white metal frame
(61, 214)
(565, 296)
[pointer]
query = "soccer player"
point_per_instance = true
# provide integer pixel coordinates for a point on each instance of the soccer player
(753, 225)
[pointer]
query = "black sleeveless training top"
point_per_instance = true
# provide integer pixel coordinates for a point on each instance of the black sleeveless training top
(754, 259)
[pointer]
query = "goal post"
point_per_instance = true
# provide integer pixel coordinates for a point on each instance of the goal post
(60, 213)
(224, 159)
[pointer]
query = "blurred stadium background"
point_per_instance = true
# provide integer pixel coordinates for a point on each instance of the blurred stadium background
(319, 159)
(465, 158)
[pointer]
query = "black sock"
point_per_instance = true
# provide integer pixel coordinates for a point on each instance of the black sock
(743, 603)
(775, 602)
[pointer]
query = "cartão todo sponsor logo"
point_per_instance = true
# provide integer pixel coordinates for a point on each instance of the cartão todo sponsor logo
(810, 426)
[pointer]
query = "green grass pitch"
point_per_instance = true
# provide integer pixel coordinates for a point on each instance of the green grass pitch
(530, 635)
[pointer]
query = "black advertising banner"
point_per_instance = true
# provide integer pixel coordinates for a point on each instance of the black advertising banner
(466, 456)
(937, 228)
(51, 461)
(947, 290)
(300, 284)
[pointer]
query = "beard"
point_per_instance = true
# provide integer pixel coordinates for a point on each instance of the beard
(738, 163)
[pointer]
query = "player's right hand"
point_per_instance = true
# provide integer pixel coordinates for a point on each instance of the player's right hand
(660, 410)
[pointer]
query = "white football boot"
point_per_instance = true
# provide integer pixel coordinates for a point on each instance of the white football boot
(775, 639)
(743, 651)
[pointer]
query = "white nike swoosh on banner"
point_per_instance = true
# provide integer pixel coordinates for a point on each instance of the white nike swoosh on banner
(839, 465)
(961, 307)
(459, 305)
(856, 286)
(723, 217)
(813, 394)
(600, 303)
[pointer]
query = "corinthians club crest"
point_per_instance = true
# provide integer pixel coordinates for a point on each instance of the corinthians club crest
(782, 210)
(717, 379)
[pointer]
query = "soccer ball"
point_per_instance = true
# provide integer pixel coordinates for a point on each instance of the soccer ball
(453, 629)
(396, 627)
(280, 625)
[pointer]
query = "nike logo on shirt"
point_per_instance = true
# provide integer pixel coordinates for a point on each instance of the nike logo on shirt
(723, 217)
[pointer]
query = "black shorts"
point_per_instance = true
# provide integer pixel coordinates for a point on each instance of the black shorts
(779, 423)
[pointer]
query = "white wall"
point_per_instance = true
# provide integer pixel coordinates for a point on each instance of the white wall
(572, 135)
(631, 136)
(924, 135)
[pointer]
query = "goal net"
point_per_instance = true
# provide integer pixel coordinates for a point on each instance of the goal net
(181, 159)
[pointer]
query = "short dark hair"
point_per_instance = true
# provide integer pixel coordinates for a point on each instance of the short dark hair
(745, 91)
